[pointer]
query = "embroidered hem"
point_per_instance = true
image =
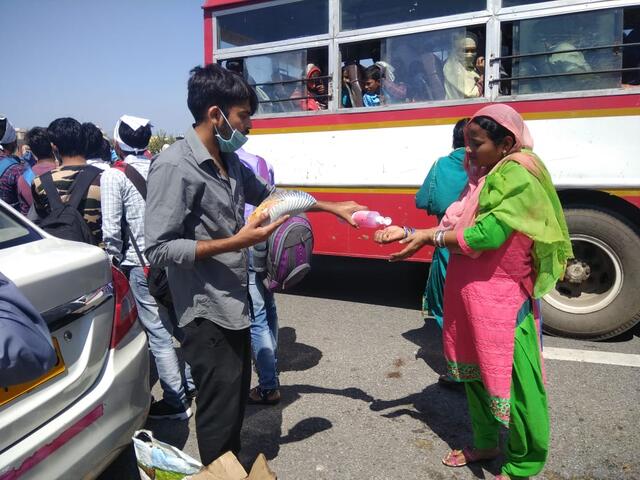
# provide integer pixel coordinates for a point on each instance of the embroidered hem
(501, 409)
(469, 372)
(463, 372)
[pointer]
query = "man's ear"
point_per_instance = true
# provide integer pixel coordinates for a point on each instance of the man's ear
(213, 114)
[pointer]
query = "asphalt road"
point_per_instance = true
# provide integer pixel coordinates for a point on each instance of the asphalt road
(359, 369)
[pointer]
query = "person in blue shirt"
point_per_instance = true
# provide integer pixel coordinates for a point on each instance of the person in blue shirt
(445, 182)
(371, 97)
(26, 348)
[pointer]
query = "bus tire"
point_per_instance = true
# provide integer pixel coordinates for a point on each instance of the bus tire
(606, 302)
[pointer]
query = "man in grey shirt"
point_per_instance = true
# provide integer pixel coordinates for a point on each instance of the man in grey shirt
(194, 226)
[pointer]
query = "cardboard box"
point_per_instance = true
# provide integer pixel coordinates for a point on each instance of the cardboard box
(227, 467)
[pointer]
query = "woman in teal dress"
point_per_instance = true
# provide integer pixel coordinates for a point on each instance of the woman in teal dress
(443, 185)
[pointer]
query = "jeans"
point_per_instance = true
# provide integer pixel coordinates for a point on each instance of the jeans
(221, 364)
(156, 321)
(264, 333)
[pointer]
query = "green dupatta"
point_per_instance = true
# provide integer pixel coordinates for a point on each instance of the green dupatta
(530, 205)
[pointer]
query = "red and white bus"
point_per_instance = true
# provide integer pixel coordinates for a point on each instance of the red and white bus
(572, 68)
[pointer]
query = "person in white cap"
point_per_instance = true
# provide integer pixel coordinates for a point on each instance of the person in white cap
(122, 190)
(11, 167)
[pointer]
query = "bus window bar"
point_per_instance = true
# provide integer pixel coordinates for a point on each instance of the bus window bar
(328, 97)
(582, 49)
(282, 82)
(568, 74)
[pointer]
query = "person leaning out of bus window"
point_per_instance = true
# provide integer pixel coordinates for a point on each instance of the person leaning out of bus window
(464, 69)
(372, 96)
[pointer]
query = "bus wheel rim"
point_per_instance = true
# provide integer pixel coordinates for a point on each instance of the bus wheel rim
(601, 288)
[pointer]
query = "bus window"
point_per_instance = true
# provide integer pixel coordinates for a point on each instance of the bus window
(427, 66)
(295, 19)
(293, 81)
(517, 3)
(631, 53)
(357, 14)
(562, 53)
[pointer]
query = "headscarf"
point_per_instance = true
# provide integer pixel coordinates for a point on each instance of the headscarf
(312, 69)
(318, 102)
(462, 213)
(526, 202)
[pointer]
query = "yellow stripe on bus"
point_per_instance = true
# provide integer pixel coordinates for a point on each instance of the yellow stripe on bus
(566, 114)
(410, 190)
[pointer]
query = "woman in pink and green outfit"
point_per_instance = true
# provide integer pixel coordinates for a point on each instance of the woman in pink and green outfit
(509, 244)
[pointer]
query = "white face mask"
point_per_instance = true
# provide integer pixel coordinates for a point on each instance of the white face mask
(469, 52)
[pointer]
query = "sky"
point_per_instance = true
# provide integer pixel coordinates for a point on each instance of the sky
(97, 60)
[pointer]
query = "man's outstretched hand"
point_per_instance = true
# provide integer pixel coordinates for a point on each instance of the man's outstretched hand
(343, 210)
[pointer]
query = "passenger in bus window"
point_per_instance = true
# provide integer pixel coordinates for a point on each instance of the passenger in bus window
(346, 95)
(393, 90)
(310, 95)
(352, 82)
(428, 79)
(464, 69)
(371, 97)
(315, 89)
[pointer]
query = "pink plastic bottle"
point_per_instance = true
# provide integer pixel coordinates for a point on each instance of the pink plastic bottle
(370, 219)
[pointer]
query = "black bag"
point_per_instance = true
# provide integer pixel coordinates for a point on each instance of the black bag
(157, 281)
(64, 219)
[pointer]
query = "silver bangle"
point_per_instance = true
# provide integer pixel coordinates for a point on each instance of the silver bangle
(438, 239)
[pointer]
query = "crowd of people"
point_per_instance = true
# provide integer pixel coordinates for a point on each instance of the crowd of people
(501, 244)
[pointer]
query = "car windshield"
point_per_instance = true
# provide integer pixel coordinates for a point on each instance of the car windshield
(13, 232)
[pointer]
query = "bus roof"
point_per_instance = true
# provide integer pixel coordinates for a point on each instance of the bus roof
(225, 3)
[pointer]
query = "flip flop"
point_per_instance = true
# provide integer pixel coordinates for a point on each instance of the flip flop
(469, 456)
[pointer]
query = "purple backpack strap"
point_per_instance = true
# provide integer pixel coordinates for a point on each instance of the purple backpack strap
(262, 169)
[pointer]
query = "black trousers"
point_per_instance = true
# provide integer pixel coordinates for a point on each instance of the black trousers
(220, 362)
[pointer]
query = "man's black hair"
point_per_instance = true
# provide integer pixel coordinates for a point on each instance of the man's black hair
(94, 138)
(105, 151)
(40, 143)
(372, 73)
(138, 138)
(458, 132)
(68, 136)
(213, 85)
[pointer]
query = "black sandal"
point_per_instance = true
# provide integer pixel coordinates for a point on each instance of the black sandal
(258, 396)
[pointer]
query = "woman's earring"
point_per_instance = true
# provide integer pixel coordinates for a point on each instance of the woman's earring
(504, 153)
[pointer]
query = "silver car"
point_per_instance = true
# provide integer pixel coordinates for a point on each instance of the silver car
(75, 420)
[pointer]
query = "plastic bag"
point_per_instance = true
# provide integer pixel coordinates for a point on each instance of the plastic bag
(161, 461)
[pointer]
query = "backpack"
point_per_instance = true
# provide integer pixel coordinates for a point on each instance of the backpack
(64, 219)
(28, 175)
(157, 281)
(285, 258)
(5, 163)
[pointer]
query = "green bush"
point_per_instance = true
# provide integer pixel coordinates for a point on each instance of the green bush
(158, 140)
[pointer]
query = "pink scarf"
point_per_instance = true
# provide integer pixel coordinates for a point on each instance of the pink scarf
(462, 213)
